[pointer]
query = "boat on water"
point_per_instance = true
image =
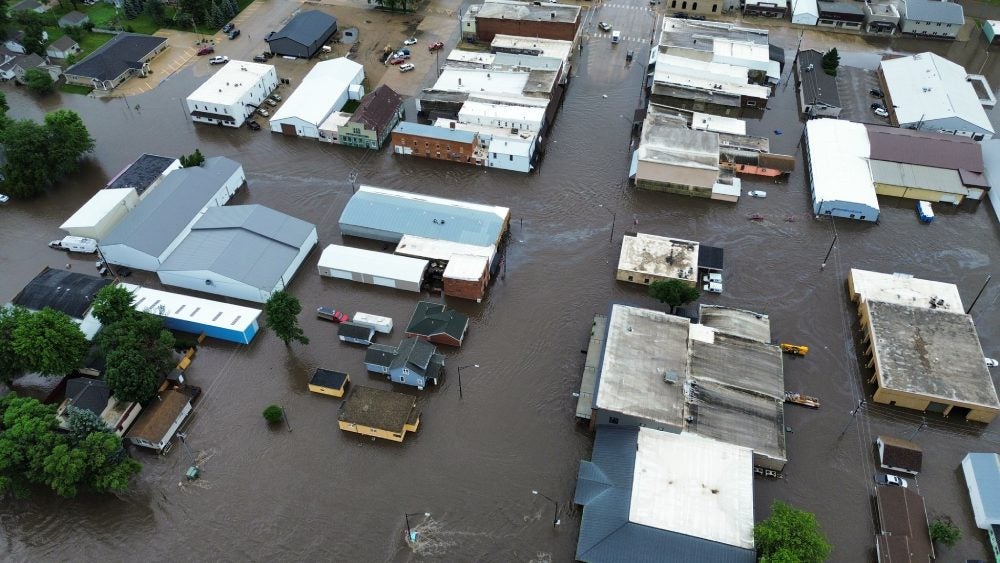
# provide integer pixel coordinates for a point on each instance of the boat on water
(794, 349)
(800, 399)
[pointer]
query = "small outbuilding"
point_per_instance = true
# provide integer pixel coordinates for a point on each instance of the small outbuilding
(414, 362)
(329, 382)
(303, 36)
(160, 420)
(380, 414)
(62, 48)
(101, 213)
(377, 268)
(433, 323)
(355, 333)
(377, 323)
(896, 454)
(74, 19)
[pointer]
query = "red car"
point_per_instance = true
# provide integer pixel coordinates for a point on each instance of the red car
(396, 61)
(329, 314)
(435, 46)
(206, 51)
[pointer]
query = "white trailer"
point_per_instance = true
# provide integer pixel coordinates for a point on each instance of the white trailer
(374, 322)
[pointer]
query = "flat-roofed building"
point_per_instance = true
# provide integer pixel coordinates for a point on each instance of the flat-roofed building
(527, 19)
(923, 349)
(724, 42)
(531, 45)
(378, 413)
(517, 118)
(440, 143)
(648, 258)
(225, 321)
(231, 95)
(466, 268)
(841, 15)
(982, 478)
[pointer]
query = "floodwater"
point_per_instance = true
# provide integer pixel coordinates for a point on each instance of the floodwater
(311, 491)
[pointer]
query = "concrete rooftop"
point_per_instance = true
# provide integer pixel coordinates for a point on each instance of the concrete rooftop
(659, 256)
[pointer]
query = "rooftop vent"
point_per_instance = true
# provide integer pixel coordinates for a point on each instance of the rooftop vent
(670, 377)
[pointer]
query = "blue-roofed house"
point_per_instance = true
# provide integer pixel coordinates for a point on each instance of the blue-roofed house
(414, 362)
(656, 496)
(982, 477)
(442, 143)
(387, 215)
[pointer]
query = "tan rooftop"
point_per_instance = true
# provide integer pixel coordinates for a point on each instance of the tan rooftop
(646, 258)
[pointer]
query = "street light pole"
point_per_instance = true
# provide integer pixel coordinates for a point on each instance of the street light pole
(555, 515)
(411, 536)
(460, 377)
(614, 217)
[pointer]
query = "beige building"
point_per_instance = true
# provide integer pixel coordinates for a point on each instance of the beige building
(923, 349)
(648, 258)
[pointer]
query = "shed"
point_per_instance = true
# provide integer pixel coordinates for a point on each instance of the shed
(379, 324)
(322, 92)
(225, 321)
(466, 276)
(433, 323)
(303, 36)
(366, 266)
(805, 12)
(355, 333)
(896, 454)
(328, 382)
(378, 413)
(101, 213)
(74, 19)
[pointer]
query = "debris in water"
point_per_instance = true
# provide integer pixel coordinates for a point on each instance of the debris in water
(604, 95)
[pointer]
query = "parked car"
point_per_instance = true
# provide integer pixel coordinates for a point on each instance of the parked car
(410, 41)
(991, 363)
(877, 92)
(891, 480)
(276, 97)
(435, 46)
(402, 54)
(271, 102)
(259, 59)
(397, 61)
(331, 314)
(629, 55)
(4, 198)
(218, 60)
(234, 34)
(715, 277)
(406, 68)
(757, 193)
(263, 112)
(253, 125)
(881, 112)
(228, 27)
(604, 26)
(712, 287)
(124, 272)
(206, 51)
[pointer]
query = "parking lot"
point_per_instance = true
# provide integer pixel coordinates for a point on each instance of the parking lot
(853, 85)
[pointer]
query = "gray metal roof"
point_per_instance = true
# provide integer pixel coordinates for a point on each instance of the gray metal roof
(251, 244)
(306, 27)
(934, 11)
(165, 212)
(604, 488)
(69, 292)
(817, 85)
(113, 58)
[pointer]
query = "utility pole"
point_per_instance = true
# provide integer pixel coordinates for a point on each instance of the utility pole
(978, 294)
(853, 413)
(832, 243)
(923, 424)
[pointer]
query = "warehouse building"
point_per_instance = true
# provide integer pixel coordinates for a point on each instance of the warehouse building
(144, 174)
(231, 95)
(836, 154)
(376, 268)
(101, 213)
(923, 350)
(233, 323)
(325, 90)
(465, 269)
(303, 36)
(646, 258)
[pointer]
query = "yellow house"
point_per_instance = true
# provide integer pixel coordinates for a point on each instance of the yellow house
(380, 414)
(327, 382)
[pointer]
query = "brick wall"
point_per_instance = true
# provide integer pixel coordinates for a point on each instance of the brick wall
(486, 28)
(428, 147)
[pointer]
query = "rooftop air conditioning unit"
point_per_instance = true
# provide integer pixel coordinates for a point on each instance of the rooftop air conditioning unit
(670, 377)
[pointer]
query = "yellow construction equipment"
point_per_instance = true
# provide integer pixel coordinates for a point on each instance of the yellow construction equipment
(794, 349)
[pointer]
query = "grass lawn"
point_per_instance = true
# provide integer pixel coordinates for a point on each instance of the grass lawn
(75, 89)
(92, 41)
(54, 31)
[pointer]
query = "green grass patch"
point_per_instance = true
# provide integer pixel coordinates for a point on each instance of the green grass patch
(350, 106)
(92, 41)
(54, 32)
(101, 14)
(75, 89)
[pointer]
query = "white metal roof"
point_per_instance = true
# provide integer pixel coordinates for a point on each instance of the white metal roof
(481, 80)
(435, 249)
(904, 289)
(718, 77)
(98, 207)
(500, 212)
(486, 132)
(313, 100)
(512, 146)
(838, 157)
(228, 85)
(925, 87)
(718, 124)
(802, 8)
(694, 486)
(192, 309)
(460, 55)
(466, 267)
(548, 47)
(500, 111)
(380, 264)
(743, 53)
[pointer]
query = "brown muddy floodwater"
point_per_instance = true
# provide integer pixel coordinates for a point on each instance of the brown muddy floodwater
(316, 493)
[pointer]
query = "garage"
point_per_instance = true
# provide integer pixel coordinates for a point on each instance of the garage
(375, 268)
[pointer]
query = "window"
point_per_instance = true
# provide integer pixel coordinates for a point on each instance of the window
(630, 278)
(714, 7)
(684, 5)
(357, 130)
(402, 379)
(939, 24)
(406, 371)
(673, 4)
(613, 420)
(751, 103)
(645, 280)
(512, 158)
(694, 6)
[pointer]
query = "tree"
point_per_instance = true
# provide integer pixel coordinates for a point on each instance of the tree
(33, 26)
(137, 349)
(944, 531)
(68, 141)
(281, 310)
(112, 303)
(156, 11)
(673, 292)
(3, 97)
(83, 423)
(4, 19)
(230, 8)
(48, 342)
(273, 413)
(132, 9)
(11, 363)
(38, 80)
(193, 159)
(40, 154)
(130, 376)
(790, 535)
(216, 16)
(831, 60)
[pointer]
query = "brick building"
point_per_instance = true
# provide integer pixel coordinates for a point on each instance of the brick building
(441, 143)
(526, 19)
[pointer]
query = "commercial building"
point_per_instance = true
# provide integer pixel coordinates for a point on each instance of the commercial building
(144, 174)
(766, 8)
(930, 93)
(517, 118)
(303, 36)
(837, 163)
(903, 533)
(387, 215)
(805, 12)
(896, 454)
(327, 87)
(982, 478)
(231, 95)
(434, 323)
(655, 496)
(378, 413)
(67, 292)
(374, 119)
(242, 251)
(647, 258)
(377, 268)
(154, 228)
(817, 90)
(465, 268)
(881, 17)
(527, 19)
(531, 45)
(328, 382)
(841, 15)
(922, 348)
(160, 420)
(429, 141)
(507, 149)
(184, 313)
(932, 18)
(414, 362)
(126, 55)
(101, 213)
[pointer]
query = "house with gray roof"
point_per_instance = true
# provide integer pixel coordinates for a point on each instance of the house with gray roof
(28, 6)
(240, 251)
(818, 96)
(932, 18)
(63, 47)
(158, 224)
(644, 498)
(74, 19)
(68, 292)
(433, 323)
(414, 362)
(303, 36)
(127, 55)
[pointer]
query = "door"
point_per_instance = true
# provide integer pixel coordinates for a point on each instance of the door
(289, 130)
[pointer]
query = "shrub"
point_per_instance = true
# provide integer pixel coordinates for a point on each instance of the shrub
(273, 413)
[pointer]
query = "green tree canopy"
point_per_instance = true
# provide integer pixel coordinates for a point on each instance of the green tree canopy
(11, 363)
(130, 376)
(944, 531)
(33, 26)
(83, 423)
(790, 535)
(112, 303)
(193, 159)
(273, 413)
(282, 309)
(40, 154)
(137, 349)
(156, 11)
(48, 342)
(830, 62)
(673, 292)
(39, 80)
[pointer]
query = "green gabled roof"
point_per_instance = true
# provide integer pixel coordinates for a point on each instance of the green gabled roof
(430, 319)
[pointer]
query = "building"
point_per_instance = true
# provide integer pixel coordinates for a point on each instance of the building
(841, 15)
(932, 18)
(805, 12)
(303, 36)
(896, 454)
(28, 6)
(503, 44)
(231, 95)
(982, 478)
(504, 148)
(154, 228)
(355, 333)
(101, 213)
(440, 143)
(765, 8)
(837, 163)
(378, 413)
(903, 532)
(240, 251)
(63, 47)
(194, 315)
(465, 268)
(328, 382)
(160, 420)
(414, 362)
(67, 292)
(881, 17)
(501, 116)
(923, 349)
(433, 323)
(144, 174)
(377, 115)
(126, 55)
(817, 90)
(930, 93)
(377, 268)
(991, 169)
(14, 65)
(387, 215)
(327, 87)
(95, 396)
(655, 496)
(329, 130)
(74, 19)
(526, 19)
(507, 85)
(646, 259)
(991, 31)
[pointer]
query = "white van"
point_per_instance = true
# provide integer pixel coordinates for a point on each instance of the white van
(75, 244)
(616, 37)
